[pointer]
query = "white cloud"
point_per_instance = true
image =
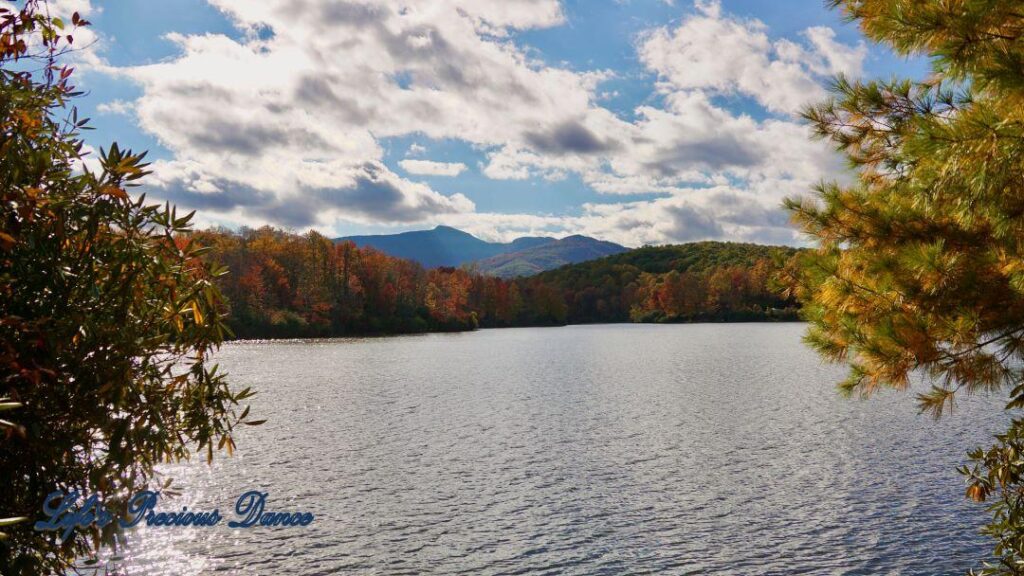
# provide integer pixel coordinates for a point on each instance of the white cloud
(285, 127)
(118, 107)
(717, 213)
(430, 168)
(300, 113)
(709, 51)
(838, 58)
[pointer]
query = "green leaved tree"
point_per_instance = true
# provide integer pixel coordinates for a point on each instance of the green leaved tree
(920, 260)
(107, 316)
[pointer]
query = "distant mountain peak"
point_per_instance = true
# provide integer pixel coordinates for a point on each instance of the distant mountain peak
(448, 246)
(443, 228)
(555, 254)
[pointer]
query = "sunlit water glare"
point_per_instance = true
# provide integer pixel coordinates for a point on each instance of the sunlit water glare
(626, 449)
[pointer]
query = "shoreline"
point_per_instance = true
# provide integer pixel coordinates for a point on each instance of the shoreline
(384, 335)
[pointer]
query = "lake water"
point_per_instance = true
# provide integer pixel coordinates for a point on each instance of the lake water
(624, 449)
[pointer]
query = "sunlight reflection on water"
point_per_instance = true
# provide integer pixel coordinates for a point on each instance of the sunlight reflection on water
(720, 449)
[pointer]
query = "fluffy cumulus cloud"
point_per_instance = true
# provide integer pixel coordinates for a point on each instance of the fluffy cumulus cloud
(727, 55)
(431, 168)
(719, 212)
(285, 124)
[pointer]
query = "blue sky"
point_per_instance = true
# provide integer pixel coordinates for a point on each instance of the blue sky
(634, 121)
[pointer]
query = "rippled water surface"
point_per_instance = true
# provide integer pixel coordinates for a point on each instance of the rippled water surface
(626, 449)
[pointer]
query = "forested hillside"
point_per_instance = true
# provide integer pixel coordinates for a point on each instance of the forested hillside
(282, 285)
(286, 285)
(700, 281)
(547, 256)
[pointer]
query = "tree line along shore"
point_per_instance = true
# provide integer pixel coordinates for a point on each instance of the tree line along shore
(284, 285)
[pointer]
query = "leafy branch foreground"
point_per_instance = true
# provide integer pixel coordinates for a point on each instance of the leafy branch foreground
(107, 317)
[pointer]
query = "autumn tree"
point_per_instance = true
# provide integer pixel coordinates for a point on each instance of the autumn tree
(920, 261)
(107, 315)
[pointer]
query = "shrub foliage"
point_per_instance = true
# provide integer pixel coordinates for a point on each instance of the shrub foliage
(107, 318)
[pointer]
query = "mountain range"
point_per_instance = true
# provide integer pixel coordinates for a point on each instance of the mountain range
(447, 246)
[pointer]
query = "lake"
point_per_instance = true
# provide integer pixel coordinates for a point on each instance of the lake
(616, 449)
